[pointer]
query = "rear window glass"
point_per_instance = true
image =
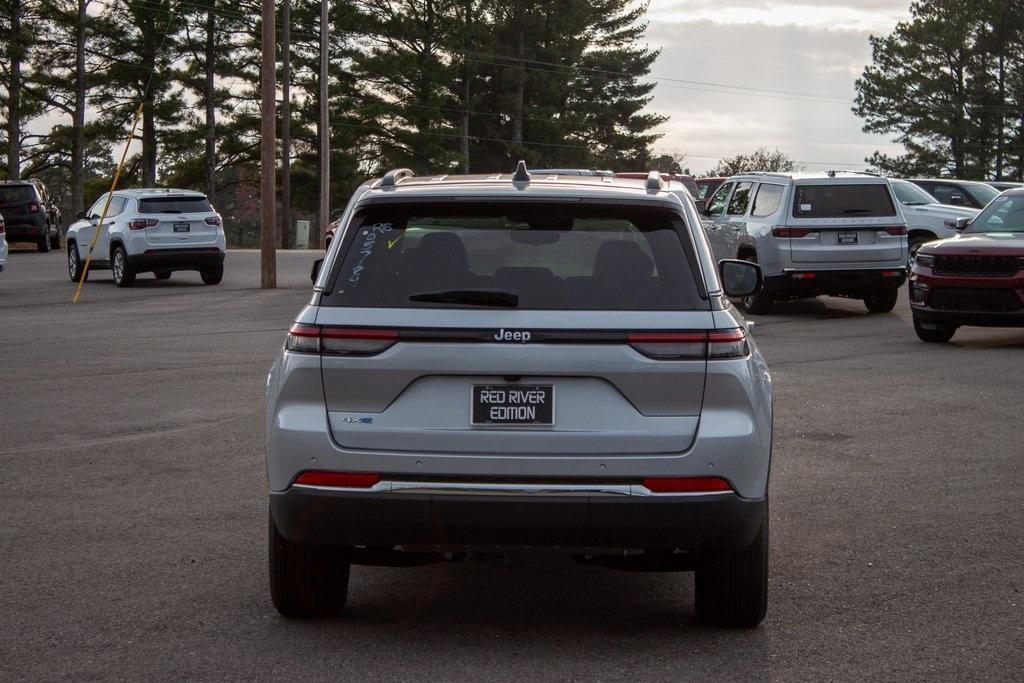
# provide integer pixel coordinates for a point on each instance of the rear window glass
(17, 193)
(547, 257)
(175, 205)
(842, 201)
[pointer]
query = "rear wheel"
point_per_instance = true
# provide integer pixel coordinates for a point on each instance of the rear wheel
(212, 275)
(731, 588)
(55, 239)
(124, 274)
(75, 264)
(882, 300)
(307, 580)
(762, 301)
(162, 274)
(43, 244)
(935, 333)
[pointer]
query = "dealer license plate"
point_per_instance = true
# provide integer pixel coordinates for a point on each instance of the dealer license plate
(846, 238)
(513, 404)
(182, 227)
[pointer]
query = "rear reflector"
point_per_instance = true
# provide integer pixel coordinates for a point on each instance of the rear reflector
(339, 341)
(791, 232)
(348, 480)
(803, 276)
(717, 344)
(686, 484)
(892, 273)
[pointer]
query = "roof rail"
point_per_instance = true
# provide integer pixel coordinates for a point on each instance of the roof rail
(392, 177)
(832, 173)
(521, 175)
(653, 183)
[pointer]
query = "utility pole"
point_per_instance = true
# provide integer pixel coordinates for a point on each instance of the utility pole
(268, 143)
(325, 127)
(286, 126)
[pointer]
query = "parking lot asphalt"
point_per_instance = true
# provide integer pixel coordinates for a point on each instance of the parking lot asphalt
(133, 510)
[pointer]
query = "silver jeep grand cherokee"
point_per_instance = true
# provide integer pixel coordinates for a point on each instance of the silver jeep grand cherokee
(493, 363)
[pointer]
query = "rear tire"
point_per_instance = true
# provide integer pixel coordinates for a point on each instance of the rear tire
(213, 275)
(882, 300)
(75, 263)
(307, 580)
(914, 245)
(43, 245)
(941, 334)
(55, 240)
(731, 588)
(124, 274)
(162, 274)
(760, 303)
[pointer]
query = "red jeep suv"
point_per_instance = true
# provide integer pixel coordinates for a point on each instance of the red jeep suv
(975, 278)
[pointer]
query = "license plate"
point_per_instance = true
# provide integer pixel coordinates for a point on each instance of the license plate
(846, 238)
(513, 404)
(181, 227)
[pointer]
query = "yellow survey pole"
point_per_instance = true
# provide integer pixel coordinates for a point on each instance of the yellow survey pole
(106, 205)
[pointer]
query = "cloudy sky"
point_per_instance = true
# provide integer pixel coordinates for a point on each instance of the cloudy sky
(792, 65)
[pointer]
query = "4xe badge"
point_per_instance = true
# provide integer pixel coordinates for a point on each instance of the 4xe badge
(520, 336)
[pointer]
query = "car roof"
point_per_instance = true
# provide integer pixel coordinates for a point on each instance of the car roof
(813, 177)
(947, 180)
(18, 183)
(150, 192)
(539, 186)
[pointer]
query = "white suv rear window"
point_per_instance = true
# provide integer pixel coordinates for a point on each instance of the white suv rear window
(548, 257)
(842, 201)
(175, 205)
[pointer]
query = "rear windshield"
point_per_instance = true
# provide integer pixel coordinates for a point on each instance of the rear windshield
(842, 201)
(10, 194)
(175, 205)
(548, 257)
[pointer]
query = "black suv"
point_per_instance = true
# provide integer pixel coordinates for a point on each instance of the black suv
(30, 213)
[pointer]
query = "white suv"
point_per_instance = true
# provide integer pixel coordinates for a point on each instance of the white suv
(149, 230)
(838, 233)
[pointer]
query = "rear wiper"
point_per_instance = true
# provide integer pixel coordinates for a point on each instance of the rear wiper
(169, 211)
(472, 297)
(848, 211)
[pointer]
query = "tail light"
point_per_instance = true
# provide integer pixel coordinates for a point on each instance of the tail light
(3, 226)
(339, 341)
(143, 223)
(34, 207)
(214, 220)
(791, 232)
(348, 480)
(714, 345)
(687, 484)
(896, 230)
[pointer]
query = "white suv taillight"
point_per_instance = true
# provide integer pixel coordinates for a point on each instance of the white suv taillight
(3, 226)
(214, 220)
(143, 223)
(713, 345)
(339, 341)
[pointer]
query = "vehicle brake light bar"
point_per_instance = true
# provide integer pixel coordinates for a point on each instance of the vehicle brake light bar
(687, 484)
(347, 480)
(339, 341)
(791, 232)
(714, 345)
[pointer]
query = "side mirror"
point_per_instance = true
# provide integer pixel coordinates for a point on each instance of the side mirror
(958, 224)
(314, 272)
(740, 278)
(701, 206)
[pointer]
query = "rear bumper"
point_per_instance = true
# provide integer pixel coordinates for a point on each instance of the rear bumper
(795, 283)
(25, 230)
(177, 259)
(691, 522)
